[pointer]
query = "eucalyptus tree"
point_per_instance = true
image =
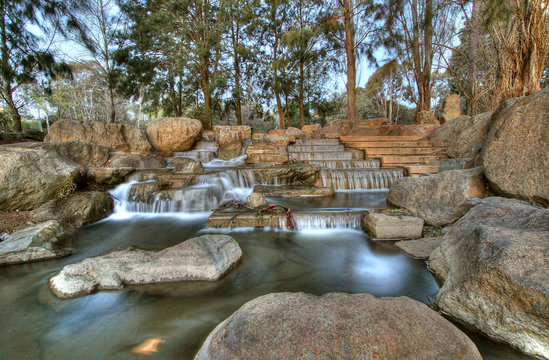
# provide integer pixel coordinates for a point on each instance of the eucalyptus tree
(419, 32)
(308, 49)
(276, 19)
(100, 30)
(25, 52)
(242, 29)
(350, 26)
(519, 33)
(178, 44)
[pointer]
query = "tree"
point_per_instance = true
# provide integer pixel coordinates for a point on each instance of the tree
(274, 24)
(25, 57)
(519, 33)
(308, 50)
(419, 31)
(385, 87)
(350, 26)
(99, 29)
(180, 43)
(241, 28)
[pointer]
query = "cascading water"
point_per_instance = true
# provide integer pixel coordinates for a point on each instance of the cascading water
(345, 164)
(357, 179)
(326, 220)
(209, 190)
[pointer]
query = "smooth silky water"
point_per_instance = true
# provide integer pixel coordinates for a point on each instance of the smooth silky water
(109, 324)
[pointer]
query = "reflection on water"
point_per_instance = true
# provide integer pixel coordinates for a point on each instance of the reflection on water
(108, 325)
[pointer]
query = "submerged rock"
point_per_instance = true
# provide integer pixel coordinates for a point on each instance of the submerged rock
(28, 179)
(206, 258)
(48, 240)
(77, 209)
(420, 248)
(336, 326)
(515, 154)
(494, 262)
(439, 199)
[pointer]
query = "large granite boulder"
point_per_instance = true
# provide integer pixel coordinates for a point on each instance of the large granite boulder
(336, 326)
(136, 161)
(44, 241)
(28, 179)
(444, 135)
(266, 154)
(85, 154)
(173, 134)
(426, 117)
(108, 176)
(230, 143)
(468, 142)
(515, 154)
(244, 130)
(121, 137)
(451, 108)
(78, 209)
(494, 262)
(287, 174)
(439, 199)
(187, 166)
(311, 128)
(205, 258)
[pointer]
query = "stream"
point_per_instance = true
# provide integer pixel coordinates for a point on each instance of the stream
(34, 324)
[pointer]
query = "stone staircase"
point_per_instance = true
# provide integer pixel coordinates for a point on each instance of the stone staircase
(416, 154)
(343, 169)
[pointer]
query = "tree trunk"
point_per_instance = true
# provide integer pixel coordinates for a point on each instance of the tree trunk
(113, 106)
(277, 85)
(350, 53)
(472, 55)
(301, 96)
(422, 66)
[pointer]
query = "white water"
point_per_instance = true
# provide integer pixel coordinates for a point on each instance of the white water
(356, 179)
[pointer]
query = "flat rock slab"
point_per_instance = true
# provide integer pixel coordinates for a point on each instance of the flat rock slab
(336, 326)
(238, 218)
(293, 191)
(381, 226)
(420, 248)
(48, 240)
(205, 258)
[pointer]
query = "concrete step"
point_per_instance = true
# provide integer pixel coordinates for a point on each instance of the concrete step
(414, 170)
(403, 151)
(375, 123)
(388, 144)
(325, 155)
(317, 142)
(380, 138)
(315, 148)
(346, 164)
(390, 160)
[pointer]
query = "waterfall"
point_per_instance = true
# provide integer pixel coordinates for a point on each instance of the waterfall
(356, 179)
(345, 164)
(209, 190)
(327, 220)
